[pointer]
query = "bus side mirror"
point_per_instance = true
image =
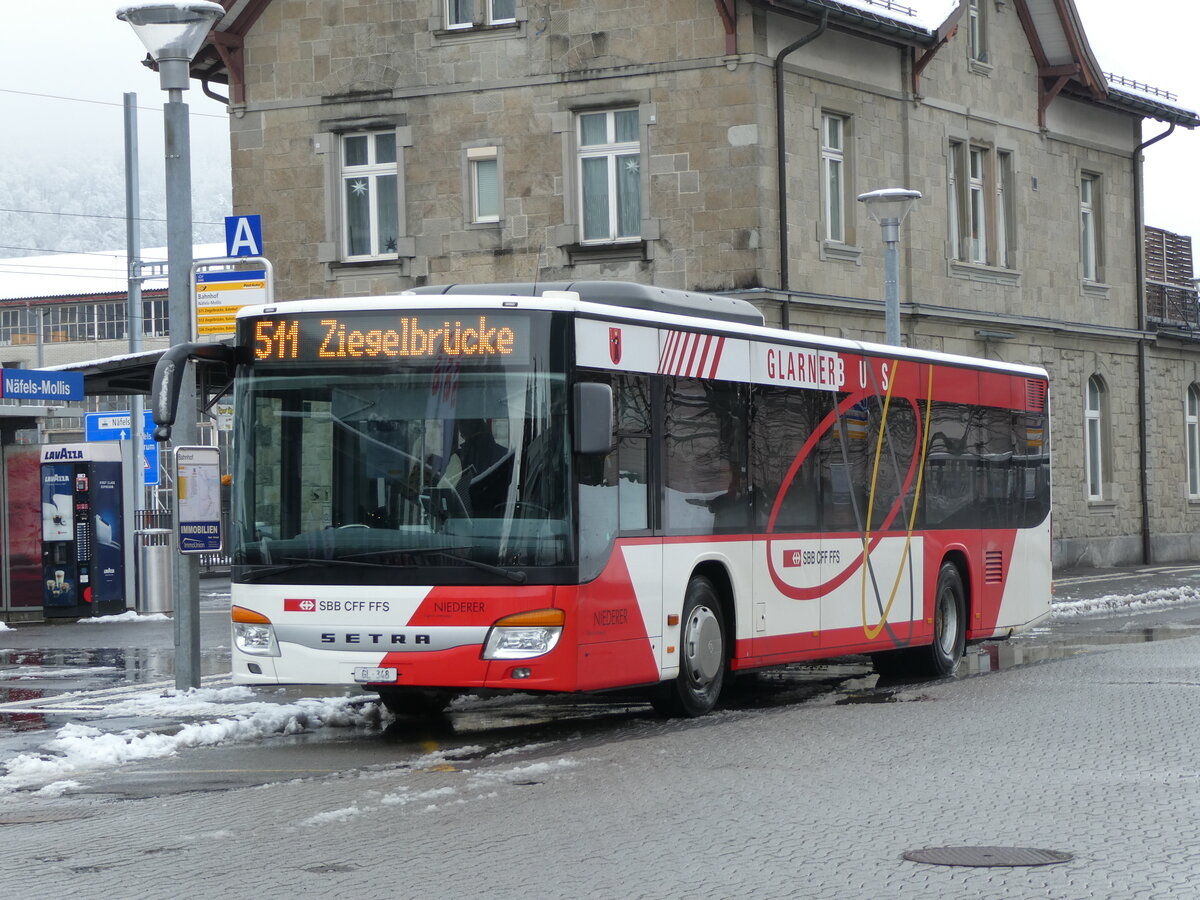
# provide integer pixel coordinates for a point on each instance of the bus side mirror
(593, 417)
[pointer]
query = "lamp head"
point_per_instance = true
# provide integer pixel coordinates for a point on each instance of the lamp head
(173, 33)
(889, 205)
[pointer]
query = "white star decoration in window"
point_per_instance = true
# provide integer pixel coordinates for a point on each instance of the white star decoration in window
(359, 188)
(632, 166)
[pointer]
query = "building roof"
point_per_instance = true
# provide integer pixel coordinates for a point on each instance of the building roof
(63, 277)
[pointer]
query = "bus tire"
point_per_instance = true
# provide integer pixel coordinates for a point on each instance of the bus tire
(949, 622)
(703, 655)
(942, 656)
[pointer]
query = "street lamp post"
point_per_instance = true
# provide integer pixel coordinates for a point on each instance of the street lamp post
(889, 207)
(173, 32)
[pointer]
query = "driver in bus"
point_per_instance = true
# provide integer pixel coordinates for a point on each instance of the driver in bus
(478, 467)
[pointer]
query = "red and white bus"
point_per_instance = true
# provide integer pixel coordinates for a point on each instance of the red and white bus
(599, 485)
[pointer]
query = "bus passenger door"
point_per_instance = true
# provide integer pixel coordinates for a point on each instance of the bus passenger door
(786, 446)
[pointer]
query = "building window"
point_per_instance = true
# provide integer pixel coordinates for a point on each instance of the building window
(1003, 213)
(981, 217)
(833, 176)
(111, 319)
(1192, 427)
(68, 323)
(370, 195)
(1089, 226)
(977, 205)
(12, 326)
(462, 13)
(977, 33)
(1094, 426)
(155, 317)
(484, 184)
(610, 175)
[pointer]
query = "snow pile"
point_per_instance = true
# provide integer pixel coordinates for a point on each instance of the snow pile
(4, 627)
(129, 616)
(1147, 601)
(82, 748)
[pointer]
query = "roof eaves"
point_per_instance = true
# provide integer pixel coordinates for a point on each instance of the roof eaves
(1151, 108)
(857, 18)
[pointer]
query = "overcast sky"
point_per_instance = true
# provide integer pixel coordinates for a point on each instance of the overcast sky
(78, 49)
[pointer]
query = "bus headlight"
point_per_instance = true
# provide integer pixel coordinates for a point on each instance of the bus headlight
(524, 635)
(253, 633)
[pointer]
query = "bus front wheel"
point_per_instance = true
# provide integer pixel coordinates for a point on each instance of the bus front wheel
(703, 657)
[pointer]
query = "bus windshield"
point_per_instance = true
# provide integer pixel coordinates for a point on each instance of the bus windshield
(401, 476)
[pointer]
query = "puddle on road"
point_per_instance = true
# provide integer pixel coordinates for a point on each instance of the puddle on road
(42, 674)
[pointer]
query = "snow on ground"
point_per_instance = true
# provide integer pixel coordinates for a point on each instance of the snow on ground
(78, 749)
(129, 616)
(1148, 601)
(226, 715)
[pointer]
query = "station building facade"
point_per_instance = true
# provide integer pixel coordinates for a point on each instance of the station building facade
(720, 145)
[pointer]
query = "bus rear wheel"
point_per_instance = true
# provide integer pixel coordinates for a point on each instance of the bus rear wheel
(941, 657)
(703, 657)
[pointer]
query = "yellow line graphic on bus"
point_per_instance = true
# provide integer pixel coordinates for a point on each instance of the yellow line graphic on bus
(872, 631)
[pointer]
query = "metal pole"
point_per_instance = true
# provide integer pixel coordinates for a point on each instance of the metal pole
(132, 457)
(891, 279)
(186, 569)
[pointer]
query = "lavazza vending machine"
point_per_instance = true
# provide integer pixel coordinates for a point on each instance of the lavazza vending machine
(83, 565)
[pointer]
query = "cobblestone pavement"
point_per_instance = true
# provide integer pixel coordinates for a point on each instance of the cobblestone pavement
(1093, 755)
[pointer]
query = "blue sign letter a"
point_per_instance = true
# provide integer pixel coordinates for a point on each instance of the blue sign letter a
(243, 235)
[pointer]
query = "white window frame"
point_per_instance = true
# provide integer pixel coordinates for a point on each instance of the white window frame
(460, 14)
(12, 322)
(1003, 212)
(1089, 226)
(1191, 426)
(1094, 426)
(834, 128)
(977, 212)
(616, 153)
(977, 33)
(478, 157)
(368, 174)
(112, 320)
(953, 200)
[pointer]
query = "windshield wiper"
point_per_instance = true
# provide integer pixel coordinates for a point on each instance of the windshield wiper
(511, 574)
(266, 570)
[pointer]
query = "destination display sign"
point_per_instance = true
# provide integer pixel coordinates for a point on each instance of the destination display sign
(368, 336)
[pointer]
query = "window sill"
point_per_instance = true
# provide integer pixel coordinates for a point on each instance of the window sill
(980, 272)
(841, 252)
(477, 33)
(359, 266)
(1101, 506)
(1095, 289)
(979, 67)
(628, 251)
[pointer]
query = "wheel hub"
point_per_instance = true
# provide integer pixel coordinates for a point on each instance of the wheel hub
(703, 650)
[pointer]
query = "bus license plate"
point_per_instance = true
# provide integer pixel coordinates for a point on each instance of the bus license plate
(369, 675)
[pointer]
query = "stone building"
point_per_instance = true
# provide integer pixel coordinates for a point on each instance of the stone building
(719, 145)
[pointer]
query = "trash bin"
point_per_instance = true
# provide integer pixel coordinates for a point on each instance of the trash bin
(156, 590)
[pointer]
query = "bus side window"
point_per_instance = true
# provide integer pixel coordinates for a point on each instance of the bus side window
(784, 418)
(705, 485)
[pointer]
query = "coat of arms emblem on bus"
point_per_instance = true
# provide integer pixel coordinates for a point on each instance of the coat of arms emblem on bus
(614, 345)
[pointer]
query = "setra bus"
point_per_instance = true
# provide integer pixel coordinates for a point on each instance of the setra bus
(600, 485)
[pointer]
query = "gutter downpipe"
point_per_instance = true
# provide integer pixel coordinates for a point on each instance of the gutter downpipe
(1139, 247)
(781, 162)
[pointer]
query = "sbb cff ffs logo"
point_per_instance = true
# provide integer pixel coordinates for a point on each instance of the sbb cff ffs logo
(299, 605)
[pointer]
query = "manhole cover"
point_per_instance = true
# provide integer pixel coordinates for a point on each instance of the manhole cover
(987, 856)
